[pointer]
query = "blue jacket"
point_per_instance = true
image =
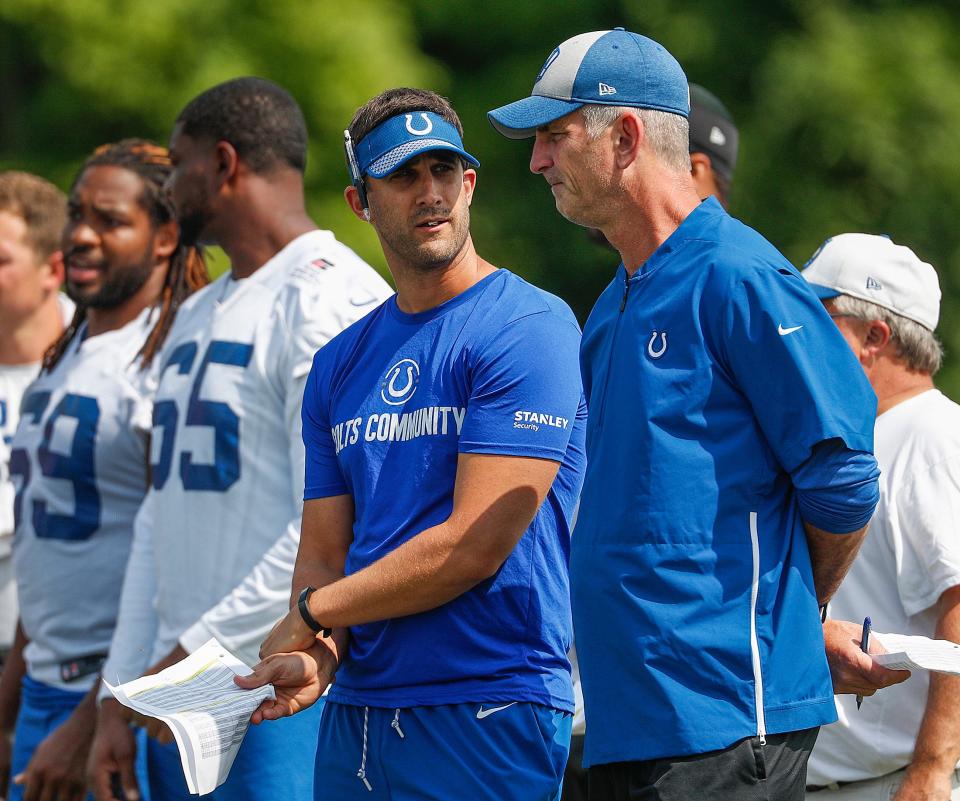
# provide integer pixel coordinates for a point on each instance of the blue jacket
(710, 376)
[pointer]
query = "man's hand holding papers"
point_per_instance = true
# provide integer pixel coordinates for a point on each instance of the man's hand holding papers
(206, 711)
(852, 670)
(298, 679)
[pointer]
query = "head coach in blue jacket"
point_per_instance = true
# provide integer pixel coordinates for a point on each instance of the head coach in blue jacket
(730, 471)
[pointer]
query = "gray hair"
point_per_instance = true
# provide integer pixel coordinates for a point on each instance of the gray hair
(916, 345)
(668, 134)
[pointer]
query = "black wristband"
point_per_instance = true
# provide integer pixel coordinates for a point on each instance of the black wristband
(310, 620)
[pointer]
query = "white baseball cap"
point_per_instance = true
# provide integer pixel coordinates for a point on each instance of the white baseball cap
(876, 269)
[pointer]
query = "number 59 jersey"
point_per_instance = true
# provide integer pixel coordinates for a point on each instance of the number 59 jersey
(79, 463)
(221, 523)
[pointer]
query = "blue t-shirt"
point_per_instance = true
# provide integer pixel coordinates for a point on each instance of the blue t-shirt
(711, 375)
(389, 405)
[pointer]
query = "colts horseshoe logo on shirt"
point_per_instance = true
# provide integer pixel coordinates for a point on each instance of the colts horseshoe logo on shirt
(400, 382)
(657, 349)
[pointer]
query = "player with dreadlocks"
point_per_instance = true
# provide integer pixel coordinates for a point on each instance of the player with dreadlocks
(185, 271)
(80, 454)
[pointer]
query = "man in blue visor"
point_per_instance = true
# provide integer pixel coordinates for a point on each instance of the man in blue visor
(729, 446)
(444, 436)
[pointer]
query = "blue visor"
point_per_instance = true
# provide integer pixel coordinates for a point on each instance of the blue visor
(401, 138)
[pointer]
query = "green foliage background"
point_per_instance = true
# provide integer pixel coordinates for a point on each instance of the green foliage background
(848, 111)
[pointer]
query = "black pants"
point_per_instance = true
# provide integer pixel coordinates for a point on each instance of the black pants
(745, 771)
(575, 777)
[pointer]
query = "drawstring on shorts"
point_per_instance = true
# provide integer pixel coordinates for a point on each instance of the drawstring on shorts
(394, 724)
(362, 773)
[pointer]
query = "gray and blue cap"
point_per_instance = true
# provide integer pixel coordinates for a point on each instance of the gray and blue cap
(610, 68)
(403, 137)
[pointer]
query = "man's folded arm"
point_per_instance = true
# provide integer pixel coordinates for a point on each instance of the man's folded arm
(495, 500)
(837, 491)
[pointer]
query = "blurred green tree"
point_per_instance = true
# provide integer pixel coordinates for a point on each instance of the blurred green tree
(853, 128)
(76, 74)
(847, 109)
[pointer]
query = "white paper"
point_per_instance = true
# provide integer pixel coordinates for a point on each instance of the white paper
(207, 713)
(918, 653)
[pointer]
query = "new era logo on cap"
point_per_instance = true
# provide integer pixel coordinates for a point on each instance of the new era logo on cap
(606, 89)
(873, 283)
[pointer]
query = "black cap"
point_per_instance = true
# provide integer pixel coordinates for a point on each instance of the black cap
(712, 131)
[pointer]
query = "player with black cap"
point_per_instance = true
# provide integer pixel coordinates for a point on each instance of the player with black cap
(714, 142)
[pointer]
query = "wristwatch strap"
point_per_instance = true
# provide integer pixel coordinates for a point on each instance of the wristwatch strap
(315, 626)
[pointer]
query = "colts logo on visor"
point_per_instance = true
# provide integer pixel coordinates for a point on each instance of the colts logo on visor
(400, 382)
(427, 125)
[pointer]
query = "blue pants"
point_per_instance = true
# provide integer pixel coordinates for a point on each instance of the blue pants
(275, 763)
(474, 752)
(42, 709)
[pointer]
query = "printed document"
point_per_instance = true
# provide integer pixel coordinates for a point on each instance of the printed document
(207, 713)
(918, 653)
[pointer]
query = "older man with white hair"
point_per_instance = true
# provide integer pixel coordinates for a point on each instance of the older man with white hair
(904, 743)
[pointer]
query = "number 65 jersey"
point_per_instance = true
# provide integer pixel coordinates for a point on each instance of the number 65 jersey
(217, 536)
(78, 460)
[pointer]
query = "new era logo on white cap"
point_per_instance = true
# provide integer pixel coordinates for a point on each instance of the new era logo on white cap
(876, 269)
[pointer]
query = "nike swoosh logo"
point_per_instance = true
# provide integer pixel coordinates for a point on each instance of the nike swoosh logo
(784, 331)
(482, 713)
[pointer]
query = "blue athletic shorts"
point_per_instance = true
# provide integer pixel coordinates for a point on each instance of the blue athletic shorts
(42, 709)
(275, 763)
(474, 752)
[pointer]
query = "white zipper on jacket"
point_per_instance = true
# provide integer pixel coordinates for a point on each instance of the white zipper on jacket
(754, 644)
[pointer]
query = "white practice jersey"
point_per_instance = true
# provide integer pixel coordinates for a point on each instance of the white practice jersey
(79, 461)
(217, 536)
(14, 380)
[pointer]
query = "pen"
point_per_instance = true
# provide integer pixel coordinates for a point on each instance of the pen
(864, 645)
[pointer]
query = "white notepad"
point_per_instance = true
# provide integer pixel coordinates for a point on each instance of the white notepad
(918, 653)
